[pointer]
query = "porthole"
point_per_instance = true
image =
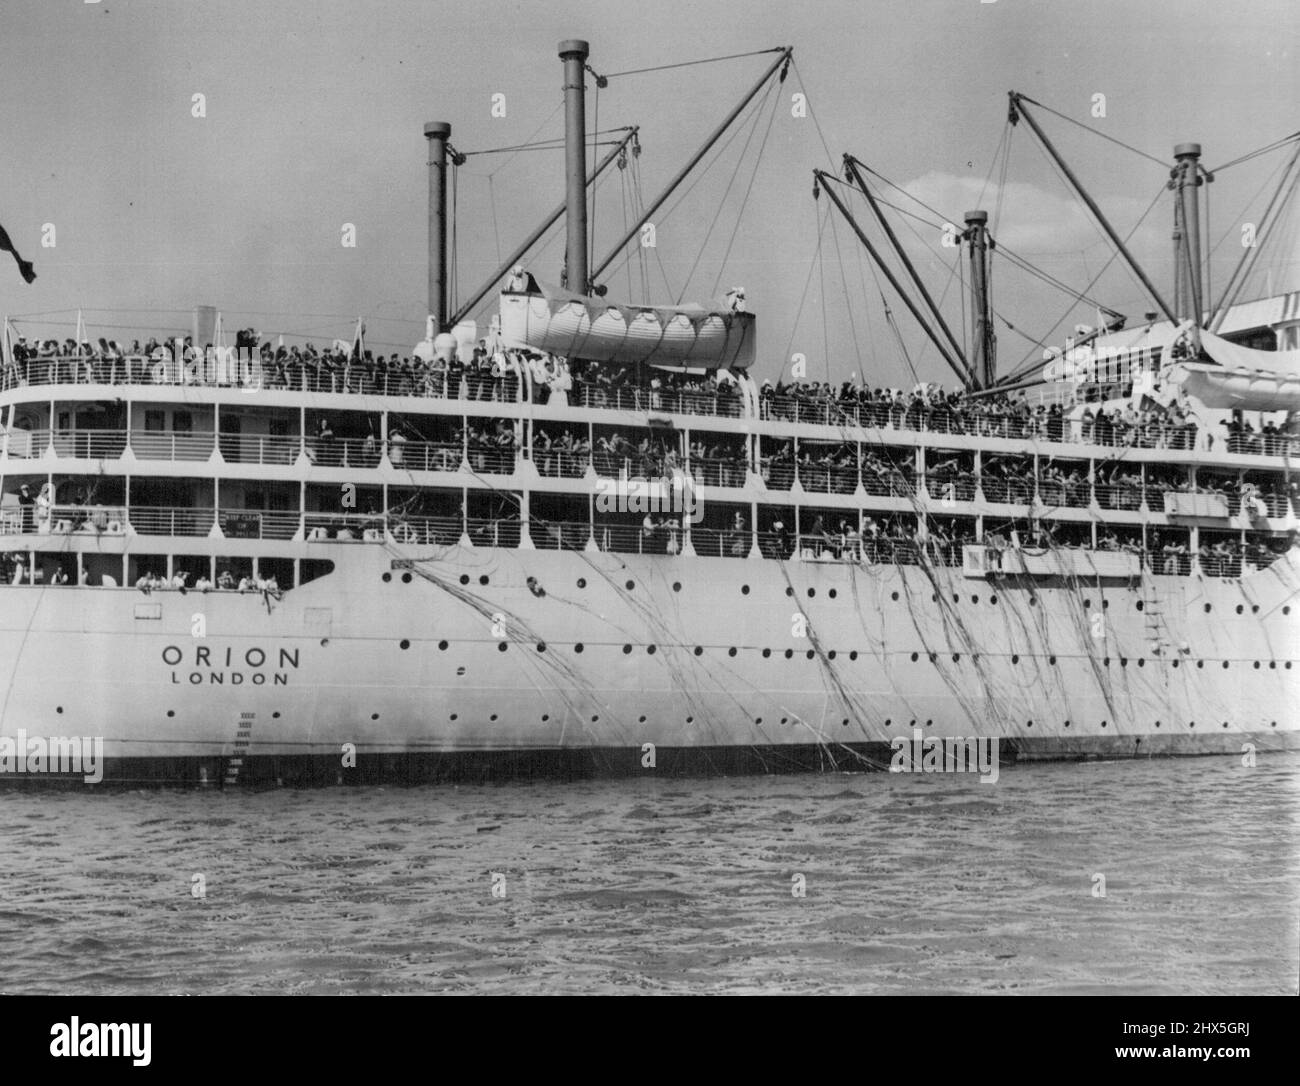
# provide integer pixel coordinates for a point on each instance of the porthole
(171, 712)
(934, 597)
(546, 717)
(1225, 665)
(974, 599)
(1103, 723)
(789, 654)
(641, 720)
(577, 647)
(810, 654)
(956, 657)
(911, 723)
(677, 586)
(934, 657)
(1051, 660)
(690, 720)
(1157, 723)
(1191, 723)
(1272, 724)
(1207, 608)
(784, 720)
(846, 722)
(893, 596)
(1286, 610)
(812, 592)
(1087, 605)
(853, 655)
(1067, 723)
(789, 591)
(453, 716)
(501, 646)
(1142, 661)
(405, 644)
(1029, 724)
(928, 723)
(442, 646)
(955, 597)
(767, 653)
(1225, 723)
(630, 585)
(1105, 604)
(464, 578)
(1287, 665)
(1105, 660)
(1272, 665)
(1256, 665)
(627, 649)
(275, 715)
(699, 651)
(1139, 605)
(915, 657)
(1254, 608)
(541, 646)
(1033, 601)
(650, 650)
(374, 716)
(386, 578)
(1175, 662)
(1015, 658)
(582, 582)
(492, 717)
(993, 600)
(888, 722)
(731, 651)
(595, 718)
(744, 590)
(758, 720)
(974, 657)
(831, 655)
(1200, 663)
(483, 579)
(1123, 661)
(406, 578)
(1240, 610)
(832, 593)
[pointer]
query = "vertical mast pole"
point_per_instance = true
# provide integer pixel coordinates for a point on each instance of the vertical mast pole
(437, 133)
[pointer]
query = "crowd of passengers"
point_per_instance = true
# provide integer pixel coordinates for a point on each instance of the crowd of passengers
(497, 377)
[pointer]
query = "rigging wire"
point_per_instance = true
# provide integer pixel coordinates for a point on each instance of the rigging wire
(744, 202)
(1151, 158)
(717, 215)
(1275, 145)
(691, 63)
(794, 327)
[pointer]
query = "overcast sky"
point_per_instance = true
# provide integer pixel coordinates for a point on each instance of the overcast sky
(315, 112)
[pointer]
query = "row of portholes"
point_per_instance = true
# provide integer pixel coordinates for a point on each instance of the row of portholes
(832, 654)
(812, 592)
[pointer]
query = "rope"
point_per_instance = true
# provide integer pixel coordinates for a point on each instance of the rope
(1150, 158)
(692, 63)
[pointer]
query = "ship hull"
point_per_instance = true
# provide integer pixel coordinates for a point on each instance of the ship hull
(408, 665)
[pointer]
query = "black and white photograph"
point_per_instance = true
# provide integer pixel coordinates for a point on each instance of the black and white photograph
(676, 499)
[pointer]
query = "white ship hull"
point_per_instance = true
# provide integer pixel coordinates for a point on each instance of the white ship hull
(286, 692)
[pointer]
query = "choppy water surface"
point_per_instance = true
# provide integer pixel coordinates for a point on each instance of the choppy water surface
(914, 884)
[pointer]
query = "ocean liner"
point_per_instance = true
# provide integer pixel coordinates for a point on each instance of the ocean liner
(589, 541)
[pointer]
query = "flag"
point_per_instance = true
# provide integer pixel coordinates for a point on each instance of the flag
(24, 266)
(359, 339)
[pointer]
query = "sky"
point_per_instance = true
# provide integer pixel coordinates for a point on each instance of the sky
(313, 115)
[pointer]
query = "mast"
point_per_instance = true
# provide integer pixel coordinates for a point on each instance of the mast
(532, 239)
(437, 133)
(782, 59)
(574, 54)
(1185, 179)
(1017, 111)
(985, 362)
(960, 368)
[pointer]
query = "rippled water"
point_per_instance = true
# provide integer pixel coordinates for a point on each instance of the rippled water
(913, 884)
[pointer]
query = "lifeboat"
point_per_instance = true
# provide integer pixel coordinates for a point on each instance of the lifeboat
(547, 318)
